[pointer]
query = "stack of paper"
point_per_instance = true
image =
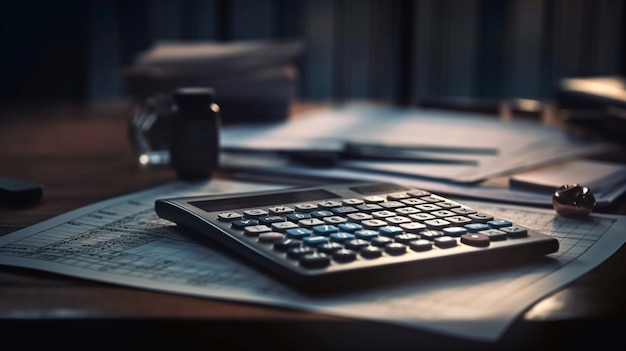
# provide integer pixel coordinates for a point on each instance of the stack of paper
(254, 80)
(452, 153)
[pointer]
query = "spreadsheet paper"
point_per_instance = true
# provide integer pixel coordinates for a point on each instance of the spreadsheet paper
(122, 241)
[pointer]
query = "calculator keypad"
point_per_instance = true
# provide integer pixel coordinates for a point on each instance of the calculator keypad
(343, 230)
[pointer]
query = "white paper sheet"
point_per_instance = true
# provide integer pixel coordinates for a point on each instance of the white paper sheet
(122, 241)
(498, 147)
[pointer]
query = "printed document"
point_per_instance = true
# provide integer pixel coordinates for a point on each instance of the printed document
(122, 241)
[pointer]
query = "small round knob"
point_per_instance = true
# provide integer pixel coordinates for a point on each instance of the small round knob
(573, 200)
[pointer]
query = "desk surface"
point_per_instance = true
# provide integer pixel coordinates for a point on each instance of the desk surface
(81, 156)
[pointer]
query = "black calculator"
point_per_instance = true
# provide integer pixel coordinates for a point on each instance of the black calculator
(348, 235)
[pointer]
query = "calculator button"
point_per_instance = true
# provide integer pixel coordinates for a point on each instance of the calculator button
(428, 207)
(229, 216)
(458, 220)
(325, 229)
(371, 252)
(280, 210)
(255, 230)
(406, 210)
(270, 237)
(462, 210)
(321, 214)
(421, 216)
(381, 241)
(298, 233)
(391, 204)
(344, 255)
(356, 244)
(242, 223)
(443, 213)
(445, 242)
(398, 196)
(383, 214)
(306, 207)
(359, 216)
(297, 216)
(480, 217)
(285, 244)
(494, 234)
(390, 230)
(315, 260)
(373, 224)
(310, 222)
(431, 234)
(447, 204)
(352, 201)
(341, 237)
(499, 223)
(421, 245)
(328, 204)
(412, 227)
(315, 240)
(270, 219)
(297, 252)
(476, 227)
(397, 220)
(329, 247)
(436, 223)
(418, 193)
(515, 231)
(334, 220)
(395, 249)
(373, 199)
(431, 198)
(406, 238)
(349, 227)
(368, 207)
(255, 213)
(413, 202)
(343, 210)
(454, 231)
(475, 239)
(366, 234)
(283, 226)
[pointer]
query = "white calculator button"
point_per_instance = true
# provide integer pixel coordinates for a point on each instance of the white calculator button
(229, 216)
(254, 213)
(280, 210)
(352, 201)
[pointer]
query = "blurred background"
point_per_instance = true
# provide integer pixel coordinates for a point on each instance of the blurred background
(404, 51)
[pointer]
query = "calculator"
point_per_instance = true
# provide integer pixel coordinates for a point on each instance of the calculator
(348, 235)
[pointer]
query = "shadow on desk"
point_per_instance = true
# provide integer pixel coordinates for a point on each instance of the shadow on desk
(233, 334)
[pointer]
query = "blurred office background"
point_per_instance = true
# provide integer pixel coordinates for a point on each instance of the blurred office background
(402, 51)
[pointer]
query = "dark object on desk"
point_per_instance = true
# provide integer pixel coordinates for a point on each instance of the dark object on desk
(17, 192)
(598, 103)
(194, 133)
(344, 236)
(573, 200)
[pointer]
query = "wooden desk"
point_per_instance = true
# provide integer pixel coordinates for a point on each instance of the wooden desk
(82, 156)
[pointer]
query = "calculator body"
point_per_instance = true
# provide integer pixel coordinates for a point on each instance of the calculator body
(349, 235)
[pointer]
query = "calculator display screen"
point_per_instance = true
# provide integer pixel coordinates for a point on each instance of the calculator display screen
(263, 200)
